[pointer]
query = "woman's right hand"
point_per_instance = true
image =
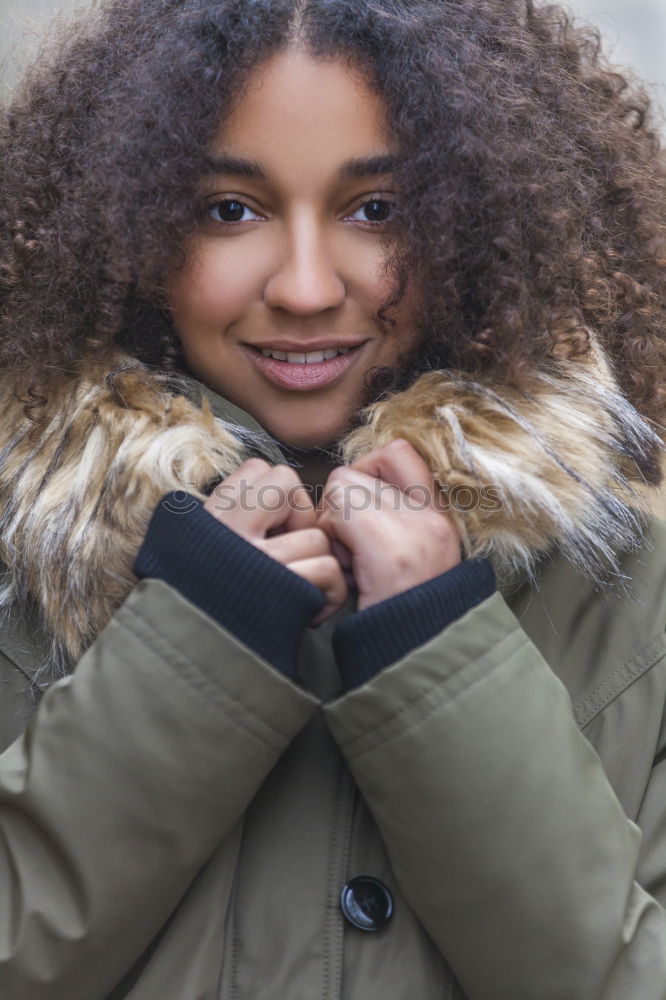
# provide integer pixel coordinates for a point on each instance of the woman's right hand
(270, 507)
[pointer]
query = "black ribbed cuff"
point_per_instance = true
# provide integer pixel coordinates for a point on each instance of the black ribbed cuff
(260, 601)
(370, 640)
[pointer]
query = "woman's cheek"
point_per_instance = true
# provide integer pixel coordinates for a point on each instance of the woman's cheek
(216, 287)
(364, 267)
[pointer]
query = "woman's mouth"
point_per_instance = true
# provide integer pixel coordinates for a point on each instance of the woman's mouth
(301, 371)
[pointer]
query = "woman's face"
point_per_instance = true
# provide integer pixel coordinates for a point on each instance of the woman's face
(276, 305)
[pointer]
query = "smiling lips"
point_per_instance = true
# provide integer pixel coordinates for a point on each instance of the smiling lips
(302, 371)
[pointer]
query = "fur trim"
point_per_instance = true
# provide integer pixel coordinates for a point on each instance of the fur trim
(77, 490)
(78, 487)
(548, 466)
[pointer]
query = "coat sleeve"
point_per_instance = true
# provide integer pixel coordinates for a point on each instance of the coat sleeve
(501, 825)
(129, 775)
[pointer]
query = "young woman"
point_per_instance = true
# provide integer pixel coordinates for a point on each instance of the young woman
(302, 699)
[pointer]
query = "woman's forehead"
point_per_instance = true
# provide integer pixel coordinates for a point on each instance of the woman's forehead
(299, 113)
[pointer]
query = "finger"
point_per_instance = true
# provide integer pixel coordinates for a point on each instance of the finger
(222, 498)
(296, 545)
(275, 499)
(347, 491)
(282, 501)
(251, 469)
(301, 513)
(325, 573)
(398, 464)
(348, 507)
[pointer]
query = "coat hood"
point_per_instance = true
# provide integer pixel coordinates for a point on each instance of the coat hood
(547, 467)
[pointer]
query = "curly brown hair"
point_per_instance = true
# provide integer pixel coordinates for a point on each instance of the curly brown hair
(532, 184)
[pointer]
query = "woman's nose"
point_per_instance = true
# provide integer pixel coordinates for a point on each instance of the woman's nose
(306, 280)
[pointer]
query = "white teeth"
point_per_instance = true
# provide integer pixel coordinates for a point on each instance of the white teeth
(313, 358)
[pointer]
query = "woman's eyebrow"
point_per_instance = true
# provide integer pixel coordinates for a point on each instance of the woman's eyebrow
(369, 166)
(364, 166)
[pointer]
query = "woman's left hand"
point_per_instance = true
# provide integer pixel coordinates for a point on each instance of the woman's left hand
(383, 519)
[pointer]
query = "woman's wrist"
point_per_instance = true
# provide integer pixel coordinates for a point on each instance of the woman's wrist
(370, 640)
(259, 601)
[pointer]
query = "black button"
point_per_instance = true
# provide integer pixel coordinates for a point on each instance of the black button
(366, 903)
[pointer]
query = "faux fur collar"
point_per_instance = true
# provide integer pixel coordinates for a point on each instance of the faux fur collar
(539, 469)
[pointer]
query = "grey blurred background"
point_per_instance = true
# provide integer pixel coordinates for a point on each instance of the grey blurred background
(22, 24)
(635, 31)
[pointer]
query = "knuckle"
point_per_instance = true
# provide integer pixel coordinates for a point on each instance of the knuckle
(330, 565)
(337, 486)
(287, 476)
(443, 535)
(319, 540)
(300, 499)
(255, 465)
(341, 474)
(400, 445)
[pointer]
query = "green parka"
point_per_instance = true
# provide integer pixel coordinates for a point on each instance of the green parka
(178, 819)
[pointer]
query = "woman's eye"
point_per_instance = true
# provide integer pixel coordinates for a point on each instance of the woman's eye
(375, 210)
(231, 210)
